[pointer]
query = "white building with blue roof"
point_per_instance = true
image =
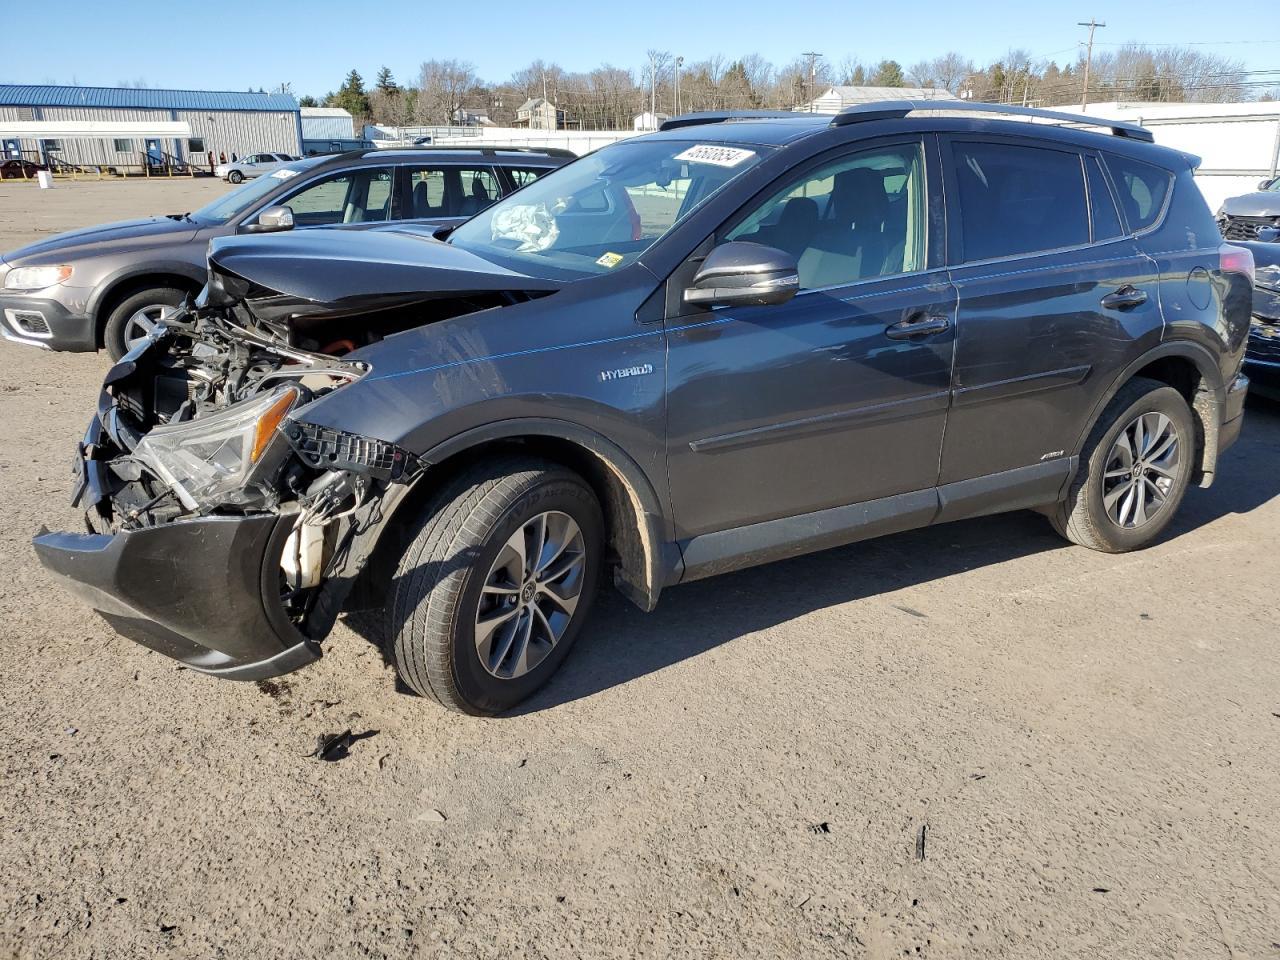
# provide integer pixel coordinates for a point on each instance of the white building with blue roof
(118, 126)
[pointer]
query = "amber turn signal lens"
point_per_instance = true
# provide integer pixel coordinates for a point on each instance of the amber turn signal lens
(269, 421)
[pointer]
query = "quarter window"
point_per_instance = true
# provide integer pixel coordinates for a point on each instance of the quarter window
(1019, 200)
(1142, 189)
(522, 175)
(860, 217)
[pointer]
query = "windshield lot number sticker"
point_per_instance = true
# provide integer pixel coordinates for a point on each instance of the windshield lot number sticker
(284, 174)
(610, 260)
(714, 155)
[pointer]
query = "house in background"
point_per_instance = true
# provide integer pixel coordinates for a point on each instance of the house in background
(472, 117)
(537, 114)
(837, 98)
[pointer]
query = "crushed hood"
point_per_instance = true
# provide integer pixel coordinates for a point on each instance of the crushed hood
(1263, 203)
(346, 271)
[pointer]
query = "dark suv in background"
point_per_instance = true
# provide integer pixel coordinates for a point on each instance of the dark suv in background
(106, 286)
(732, 341)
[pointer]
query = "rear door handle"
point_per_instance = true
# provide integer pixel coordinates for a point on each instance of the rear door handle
(920, 325)
(1126, 298)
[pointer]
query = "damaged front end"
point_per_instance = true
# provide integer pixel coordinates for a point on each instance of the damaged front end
(224, 530)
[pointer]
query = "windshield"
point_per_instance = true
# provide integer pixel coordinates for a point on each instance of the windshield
(603, 211)
(250, 192)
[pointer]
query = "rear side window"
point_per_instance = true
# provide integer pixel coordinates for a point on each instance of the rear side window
(1106, 222)
(1019, 200)
(1142, 188)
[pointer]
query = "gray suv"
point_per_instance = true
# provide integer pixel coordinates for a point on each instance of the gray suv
(106, 286)
(732, 341)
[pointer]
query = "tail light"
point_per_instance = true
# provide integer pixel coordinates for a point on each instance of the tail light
(1233, 259)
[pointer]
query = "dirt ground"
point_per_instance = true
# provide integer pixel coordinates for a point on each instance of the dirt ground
(968, 741)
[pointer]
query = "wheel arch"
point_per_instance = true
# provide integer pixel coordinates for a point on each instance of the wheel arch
(116, 288)
(643, 557)
(1192, 370)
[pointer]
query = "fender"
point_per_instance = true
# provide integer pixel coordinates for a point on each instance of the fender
(649, 560)
(197, 274)
(1206, 406)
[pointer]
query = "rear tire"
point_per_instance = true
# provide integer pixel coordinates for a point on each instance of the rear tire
(1134, 470)
(123, 323)
(473, 625)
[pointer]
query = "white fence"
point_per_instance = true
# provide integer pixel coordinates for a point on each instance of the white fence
(579, 141)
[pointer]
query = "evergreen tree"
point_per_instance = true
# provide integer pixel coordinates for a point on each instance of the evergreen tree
(888, 74)
(351, 96)
(385, 82)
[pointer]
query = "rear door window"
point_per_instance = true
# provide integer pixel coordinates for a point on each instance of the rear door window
(1142, 188)
(1017, 200)
(445, 191)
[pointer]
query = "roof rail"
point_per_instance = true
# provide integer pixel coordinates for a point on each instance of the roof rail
(887, 109)
(487, 150)
(721, 116)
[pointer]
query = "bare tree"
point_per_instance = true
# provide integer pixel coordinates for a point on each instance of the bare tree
(442, 87)
(392, 107)
(949, 72)
(657, 67)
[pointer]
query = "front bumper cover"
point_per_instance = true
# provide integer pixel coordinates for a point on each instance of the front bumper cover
(36, 321)
(204, 591)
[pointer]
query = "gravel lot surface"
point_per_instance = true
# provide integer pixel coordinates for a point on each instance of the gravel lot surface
(969, 741)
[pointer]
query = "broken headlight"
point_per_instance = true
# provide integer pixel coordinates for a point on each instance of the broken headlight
(214, 460)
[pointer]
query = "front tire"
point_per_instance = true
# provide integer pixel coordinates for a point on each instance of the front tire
(496, 584)
(1134, 470)
(135, 316)
(235, 176)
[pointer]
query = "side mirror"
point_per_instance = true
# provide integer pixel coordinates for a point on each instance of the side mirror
(272, 220)
(1264, 184)
(739, 273)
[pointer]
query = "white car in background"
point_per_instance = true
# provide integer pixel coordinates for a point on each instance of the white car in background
(255, 166)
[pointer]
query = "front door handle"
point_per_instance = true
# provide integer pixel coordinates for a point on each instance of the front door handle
(920, 325)
(1126, 298)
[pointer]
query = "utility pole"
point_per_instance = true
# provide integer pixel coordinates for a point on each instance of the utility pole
(653, 90)
(679, 64)
(1088, 59)
(813, 75)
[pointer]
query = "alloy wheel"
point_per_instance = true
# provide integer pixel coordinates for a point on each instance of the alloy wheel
(530, 595)
(1142, 470)
(143, 321)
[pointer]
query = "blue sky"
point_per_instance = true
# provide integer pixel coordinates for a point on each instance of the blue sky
(312, 45)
